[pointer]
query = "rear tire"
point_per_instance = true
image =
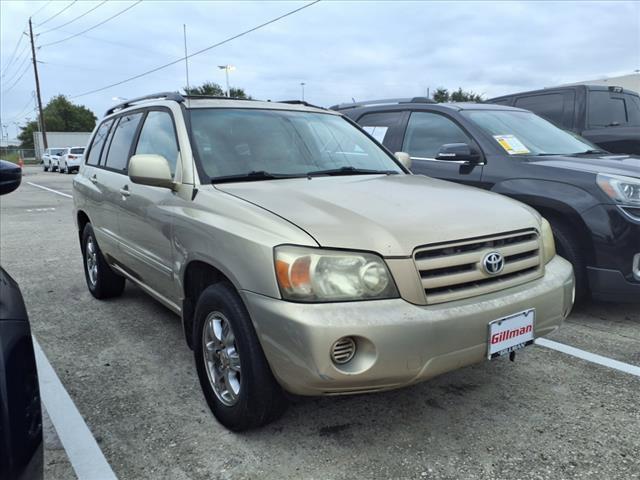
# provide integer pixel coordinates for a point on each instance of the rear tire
(101, 280)
(259, 398)
(568, 246)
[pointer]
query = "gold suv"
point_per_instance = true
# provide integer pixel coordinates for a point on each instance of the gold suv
(304, 257)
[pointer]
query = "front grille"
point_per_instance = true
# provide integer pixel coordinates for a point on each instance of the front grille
(454, 271)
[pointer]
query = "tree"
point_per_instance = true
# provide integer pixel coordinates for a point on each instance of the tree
(442, 95)
(60, 115)
(215, 90)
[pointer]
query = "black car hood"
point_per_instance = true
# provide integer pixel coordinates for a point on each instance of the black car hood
(614, 164)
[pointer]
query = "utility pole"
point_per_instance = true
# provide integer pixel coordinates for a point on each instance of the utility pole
(302, 84)
(35, 72)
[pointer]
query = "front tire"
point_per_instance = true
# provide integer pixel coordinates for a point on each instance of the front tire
(234, 374)
(569, 247)
(45, 168)
(101, 280)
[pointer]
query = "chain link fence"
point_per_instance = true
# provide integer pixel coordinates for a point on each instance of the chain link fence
(14, 154)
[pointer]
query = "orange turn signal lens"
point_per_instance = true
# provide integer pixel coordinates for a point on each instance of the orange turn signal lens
(282, 272)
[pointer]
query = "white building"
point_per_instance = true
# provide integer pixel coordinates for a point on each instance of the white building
(60, 140)
(629, 82)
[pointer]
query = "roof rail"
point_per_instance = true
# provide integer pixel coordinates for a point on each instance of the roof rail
(175, 96)
(300, 102)
(386, 101)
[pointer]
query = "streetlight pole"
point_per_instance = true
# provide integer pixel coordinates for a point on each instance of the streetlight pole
(302, 84)
(226, 69)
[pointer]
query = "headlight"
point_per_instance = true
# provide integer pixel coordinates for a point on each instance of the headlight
(620, 188)
(315, 275)
(548, 244)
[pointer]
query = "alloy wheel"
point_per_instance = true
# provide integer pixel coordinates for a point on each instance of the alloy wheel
(221, 358)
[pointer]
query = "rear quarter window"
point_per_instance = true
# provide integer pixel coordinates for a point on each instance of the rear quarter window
(98, 142)
(607, 109)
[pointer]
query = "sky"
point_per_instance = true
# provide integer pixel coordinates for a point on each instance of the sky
(341, 50)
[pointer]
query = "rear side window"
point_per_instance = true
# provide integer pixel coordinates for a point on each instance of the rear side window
(549, 106)
(98, 142)
(120, 146)
(607, 109)
(381, 125)
(427, 132)
(158, 137)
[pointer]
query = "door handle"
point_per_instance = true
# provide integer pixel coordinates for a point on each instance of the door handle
(124, 191)
(93, 178)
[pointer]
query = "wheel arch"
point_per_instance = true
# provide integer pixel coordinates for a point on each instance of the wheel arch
(81, 221)
(198, 275)
(556, 201)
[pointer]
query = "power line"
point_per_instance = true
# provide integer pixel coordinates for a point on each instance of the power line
(11, 77)
(14, 53)
(161, 67)
(55, 15)
(17, 80)
(91, 28)
(73, 19)
(40, 9)
(24, 109)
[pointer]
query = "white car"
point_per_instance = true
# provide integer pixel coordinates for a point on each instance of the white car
(70, 159)
(50, 158)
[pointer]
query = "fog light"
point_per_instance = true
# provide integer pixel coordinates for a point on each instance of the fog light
(343, 350)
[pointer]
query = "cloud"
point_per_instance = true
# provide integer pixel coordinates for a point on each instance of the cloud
(339, 49)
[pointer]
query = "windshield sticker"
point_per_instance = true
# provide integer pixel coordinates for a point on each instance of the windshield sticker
(377, 132)
(511, 144)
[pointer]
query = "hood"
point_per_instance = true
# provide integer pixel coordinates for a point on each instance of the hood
(628, 165)
(390, 215)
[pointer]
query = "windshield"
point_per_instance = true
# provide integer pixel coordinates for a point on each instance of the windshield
(525, 133)
(237, 142)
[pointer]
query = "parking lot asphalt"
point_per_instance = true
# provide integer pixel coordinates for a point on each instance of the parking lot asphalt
(128, 370)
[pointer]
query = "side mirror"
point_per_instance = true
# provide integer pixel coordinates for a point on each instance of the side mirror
(460, 152)
(10, 177)
(152, 170)
(404, 158)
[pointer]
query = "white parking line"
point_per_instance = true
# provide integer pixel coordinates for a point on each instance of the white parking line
(82, 449)
(50, 189)
(590, 357)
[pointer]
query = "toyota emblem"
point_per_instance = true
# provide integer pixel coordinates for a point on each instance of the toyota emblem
(493, 263)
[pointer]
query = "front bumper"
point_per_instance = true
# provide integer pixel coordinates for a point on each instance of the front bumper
(611, 286)
(399, 343)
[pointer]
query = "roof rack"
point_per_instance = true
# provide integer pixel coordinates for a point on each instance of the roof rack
(300, 102)
(175, 96)
(387, 101)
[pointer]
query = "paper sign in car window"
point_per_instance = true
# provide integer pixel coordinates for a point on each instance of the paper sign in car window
(511, 144)
(377, 132)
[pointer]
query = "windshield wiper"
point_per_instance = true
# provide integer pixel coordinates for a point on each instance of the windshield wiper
(350, 171)
(593, 151)
(253, 176)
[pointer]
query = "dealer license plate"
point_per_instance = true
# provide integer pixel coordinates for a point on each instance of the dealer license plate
(511, 333)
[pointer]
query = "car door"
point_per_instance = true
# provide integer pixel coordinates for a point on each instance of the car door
(426, 132)
(97, 186)
(146, 225)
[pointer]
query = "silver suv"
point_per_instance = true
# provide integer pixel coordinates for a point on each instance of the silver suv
(304, 257)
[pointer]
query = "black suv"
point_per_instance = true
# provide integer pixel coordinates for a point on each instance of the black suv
(606, 116)
(590, 197)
